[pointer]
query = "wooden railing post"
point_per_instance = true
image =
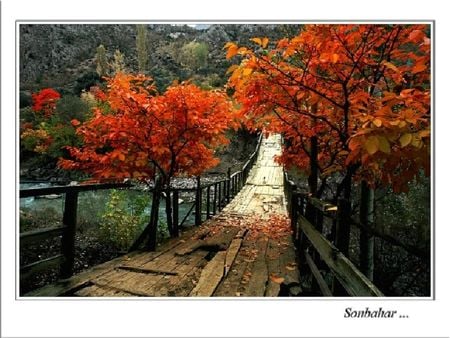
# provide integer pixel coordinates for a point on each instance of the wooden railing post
(220, 197)
(301, 242)
(198, 203)
(208, 198)
(318, 224)
(343, 226)
(175, 207)
(68, 237)
(234, 185)
(294, 213)
(302, 205)
(366, 239)
(342, 238)
(228, 185)
(215, 199)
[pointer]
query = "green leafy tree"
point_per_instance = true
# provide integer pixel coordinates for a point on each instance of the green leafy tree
(118, 63)
(101, 61)
(194, 55)
(142, 48)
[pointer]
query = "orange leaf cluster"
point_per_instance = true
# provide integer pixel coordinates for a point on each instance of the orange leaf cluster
(135, 132)
(362, 90)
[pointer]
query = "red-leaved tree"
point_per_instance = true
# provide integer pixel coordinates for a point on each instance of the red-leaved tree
(136, 133)
(44, 101)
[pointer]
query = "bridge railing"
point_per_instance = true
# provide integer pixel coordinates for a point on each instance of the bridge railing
(67, 230)
(325, 254)
(209, 200)
(212, 197)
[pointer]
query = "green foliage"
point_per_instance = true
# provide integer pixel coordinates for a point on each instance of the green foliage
(123, 218)
(407, 215)
(101, 61)
(47, 136)
(70, 107)
(162, 231)
(210, 81)
(86, 81)
(25, 99)
(142, 48)
(194, 55)
(118, 63)
(27, 115)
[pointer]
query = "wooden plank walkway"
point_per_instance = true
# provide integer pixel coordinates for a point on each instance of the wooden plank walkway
(245, 251)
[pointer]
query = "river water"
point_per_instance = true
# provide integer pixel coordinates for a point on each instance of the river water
(92, 204)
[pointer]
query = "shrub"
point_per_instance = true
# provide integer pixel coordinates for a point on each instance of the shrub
(25, 99)
(123, 218)
(71, 107)
(86, 81)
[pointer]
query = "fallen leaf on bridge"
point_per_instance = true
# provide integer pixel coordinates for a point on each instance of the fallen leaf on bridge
(276, 279)
(290, 268)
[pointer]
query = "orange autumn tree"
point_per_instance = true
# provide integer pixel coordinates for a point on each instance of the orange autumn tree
(348, 99)
(134, 132)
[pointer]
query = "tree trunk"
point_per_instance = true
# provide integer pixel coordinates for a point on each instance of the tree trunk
(366, 216)
(198, 200)
(150, 230)
(153, 225)
(313, 161)
(314, 168)
(169, 213)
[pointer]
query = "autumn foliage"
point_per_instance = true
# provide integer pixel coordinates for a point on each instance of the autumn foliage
(136, 132)
(361, 91)
(44, 101)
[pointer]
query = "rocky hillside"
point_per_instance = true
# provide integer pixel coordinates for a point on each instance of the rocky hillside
(63, 56)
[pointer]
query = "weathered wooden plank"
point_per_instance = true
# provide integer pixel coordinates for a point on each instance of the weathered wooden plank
(288, 267)
(188, 273)
(138, 281)
(273, 268)
(102, 291)
(210, 277)
(110, 290)
(90, 291)
(63, 287)
(169, 262)
(40, 234)
(71, 188)
(288, 264)
(235, 282)
(45, 264)
(259, 271)
(328, 209)
(143, 270)
(216, 242)
(121, 278)
(323, 286)
(353, 280)
(231, 254)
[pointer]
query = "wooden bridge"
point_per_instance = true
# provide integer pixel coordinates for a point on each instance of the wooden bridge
(255, 247)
